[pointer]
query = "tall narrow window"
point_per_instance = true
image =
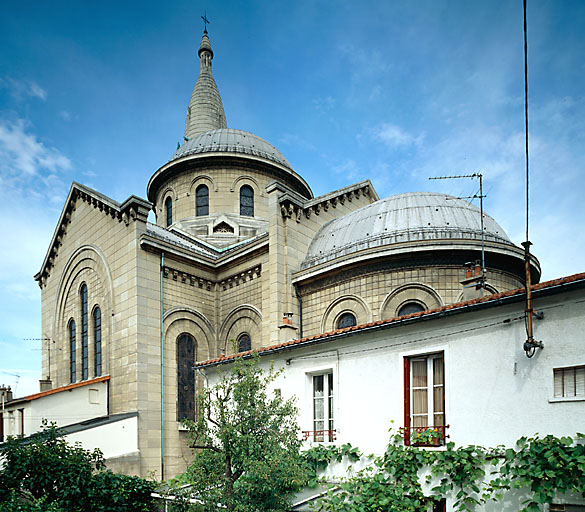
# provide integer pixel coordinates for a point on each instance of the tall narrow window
(424, 414)
(97, 342)
(185, 377)
(247, 201)
(323, 424)
(244, 342)
(169, 209)
(84, 346)
(202, 200)
(72, 355)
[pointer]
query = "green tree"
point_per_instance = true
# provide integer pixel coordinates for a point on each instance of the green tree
(44, 472)
(246, 443)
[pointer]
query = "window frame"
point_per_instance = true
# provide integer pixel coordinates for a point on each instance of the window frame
(409, 388)
(202, 210)
(343, 315)
(241, 338)
(186, 394)
(327, 434)
(71, 328)
(169, 210)
(246, 210)
(579, 394)
(97, 341)
(84, 332)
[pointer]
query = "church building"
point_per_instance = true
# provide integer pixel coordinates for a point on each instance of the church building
(242, 256)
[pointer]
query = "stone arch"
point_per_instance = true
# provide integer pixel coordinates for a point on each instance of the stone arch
(87, 264)
(412, 292)
(245, 318)
(168, 192)
(202, 179)
(248, 180)
(181, 319)
(345, 304)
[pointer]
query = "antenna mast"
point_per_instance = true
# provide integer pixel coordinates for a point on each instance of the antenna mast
(475, 196)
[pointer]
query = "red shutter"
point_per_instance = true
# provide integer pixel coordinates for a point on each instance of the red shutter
(406, 401)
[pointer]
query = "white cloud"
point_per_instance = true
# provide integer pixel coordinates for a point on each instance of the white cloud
(394, 136)
(20, 89)
(22, 154)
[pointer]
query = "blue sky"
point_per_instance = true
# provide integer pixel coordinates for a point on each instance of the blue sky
(393, 91)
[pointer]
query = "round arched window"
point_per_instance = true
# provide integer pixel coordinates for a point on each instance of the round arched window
(411, 307)
(169, 208)
(247, 201)
(244, 342)
(346, 320)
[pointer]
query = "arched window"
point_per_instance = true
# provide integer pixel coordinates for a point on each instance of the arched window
(84, 347)
(185, 377)
(244, 342)
(247, 201)
(97, 342)
(71, 328)
(169, 208)
(346, 320)
(202, 200)
(410, 307)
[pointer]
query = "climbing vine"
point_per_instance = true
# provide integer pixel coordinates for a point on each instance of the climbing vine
(542, 467)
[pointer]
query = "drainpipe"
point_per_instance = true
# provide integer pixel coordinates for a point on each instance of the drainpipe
(300, 299)
(162, 374)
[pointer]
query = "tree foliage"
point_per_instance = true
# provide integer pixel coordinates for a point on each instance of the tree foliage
(541, 467)
(246, 443)
(44, 472)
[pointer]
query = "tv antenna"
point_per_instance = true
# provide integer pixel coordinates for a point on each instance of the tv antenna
(474, 196)
(13, 375)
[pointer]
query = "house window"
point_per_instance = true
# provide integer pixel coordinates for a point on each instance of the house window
(72, 376)
(323, 423)
(247, 201)
(569, 382)
(424, 401)
(185, 377)
(346, 320)
(410, 307)
(84, 347)
(244, 342)
(169, 209)
(97, 342)
(202, 200)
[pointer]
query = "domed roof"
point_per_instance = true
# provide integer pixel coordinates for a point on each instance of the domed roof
(231, 141)
(416, 216)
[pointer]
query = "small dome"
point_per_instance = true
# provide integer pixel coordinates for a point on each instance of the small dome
(229, 140)
(402, 218)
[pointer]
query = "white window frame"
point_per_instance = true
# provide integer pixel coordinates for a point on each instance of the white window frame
(577, 398)
(330, 374)
(430, 385)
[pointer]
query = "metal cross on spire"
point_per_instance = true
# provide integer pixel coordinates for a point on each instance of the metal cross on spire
(206, 21)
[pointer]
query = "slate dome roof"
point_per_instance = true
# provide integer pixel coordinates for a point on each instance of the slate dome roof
(415, 216)
(231, 141)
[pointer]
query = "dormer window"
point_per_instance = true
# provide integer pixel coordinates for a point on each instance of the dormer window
(169, 209)
(202, 200)
(247, 201)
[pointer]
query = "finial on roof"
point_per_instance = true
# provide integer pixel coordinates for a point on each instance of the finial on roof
(205, 111)
(206, 21)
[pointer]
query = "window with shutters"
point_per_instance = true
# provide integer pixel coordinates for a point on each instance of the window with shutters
(202, 200)
(185, 377)
(424, 400)
(569, 382)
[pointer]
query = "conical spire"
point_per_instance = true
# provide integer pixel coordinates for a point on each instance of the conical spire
(205, 110)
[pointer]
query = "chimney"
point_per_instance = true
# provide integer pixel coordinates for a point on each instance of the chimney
(473, 284)
(45, 384)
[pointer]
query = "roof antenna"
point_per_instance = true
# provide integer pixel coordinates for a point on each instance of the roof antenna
(205, 21)
(530, 345)
(474, 196)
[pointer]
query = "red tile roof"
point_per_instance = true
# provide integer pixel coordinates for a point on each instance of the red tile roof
(486, 299)
(68, 387)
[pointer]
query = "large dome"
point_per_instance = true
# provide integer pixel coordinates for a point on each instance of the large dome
(411, 217)
(228, 140)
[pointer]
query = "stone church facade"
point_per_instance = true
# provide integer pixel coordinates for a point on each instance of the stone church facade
(242, 256)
